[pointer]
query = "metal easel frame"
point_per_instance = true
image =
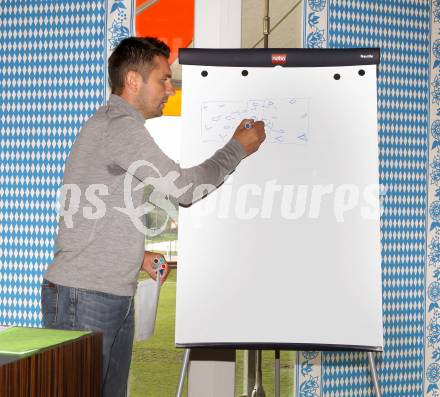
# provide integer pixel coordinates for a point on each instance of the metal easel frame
(258, 391)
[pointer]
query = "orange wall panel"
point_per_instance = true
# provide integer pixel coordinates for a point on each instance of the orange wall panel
(172, 21)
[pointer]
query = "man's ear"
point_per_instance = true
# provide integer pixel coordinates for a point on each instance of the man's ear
(132, 81)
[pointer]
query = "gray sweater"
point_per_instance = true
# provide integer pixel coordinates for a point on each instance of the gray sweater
(98, 246)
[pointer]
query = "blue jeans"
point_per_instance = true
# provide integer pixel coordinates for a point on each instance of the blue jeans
(113, 315)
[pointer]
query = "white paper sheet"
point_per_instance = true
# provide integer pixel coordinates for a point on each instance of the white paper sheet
(146, 301)
(304, 206)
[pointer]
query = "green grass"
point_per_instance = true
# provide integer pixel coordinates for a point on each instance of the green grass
(156, 363)
(164, 236)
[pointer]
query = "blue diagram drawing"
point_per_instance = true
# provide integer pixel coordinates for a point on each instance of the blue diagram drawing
(286, 119)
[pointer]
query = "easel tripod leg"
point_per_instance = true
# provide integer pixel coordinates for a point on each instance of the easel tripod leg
(183, 372)
(277, 373)
(374, 376)
(258, 388)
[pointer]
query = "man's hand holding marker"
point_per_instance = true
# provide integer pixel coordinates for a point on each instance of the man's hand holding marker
(250, 134)
(154, 263)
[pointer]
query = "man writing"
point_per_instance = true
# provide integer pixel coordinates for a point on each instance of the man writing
(98, 253)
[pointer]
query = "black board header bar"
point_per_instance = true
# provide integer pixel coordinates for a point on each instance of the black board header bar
(281, 346)
(287, 57)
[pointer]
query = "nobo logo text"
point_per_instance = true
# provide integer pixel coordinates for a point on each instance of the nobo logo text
(279, 58)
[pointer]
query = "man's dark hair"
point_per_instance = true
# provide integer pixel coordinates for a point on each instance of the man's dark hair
(133, 53)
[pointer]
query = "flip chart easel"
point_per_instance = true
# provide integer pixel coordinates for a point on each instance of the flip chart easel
(311, 191)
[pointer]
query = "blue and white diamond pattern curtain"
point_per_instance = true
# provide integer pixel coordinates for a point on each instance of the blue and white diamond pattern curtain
(408, 33)
(52, 61)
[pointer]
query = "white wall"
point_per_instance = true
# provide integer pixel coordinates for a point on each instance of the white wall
(217, 24)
